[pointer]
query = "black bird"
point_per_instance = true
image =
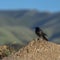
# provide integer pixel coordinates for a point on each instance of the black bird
(40, 33)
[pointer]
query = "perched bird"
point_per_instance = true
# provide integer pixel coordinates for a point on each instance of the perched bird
(40, 33)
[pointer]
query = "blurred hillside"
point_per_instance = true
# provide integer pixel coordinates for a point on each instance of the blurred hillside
(18, 26)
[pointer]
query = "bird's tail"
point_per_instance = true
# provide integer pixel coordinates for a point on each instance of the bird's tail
(45, 38)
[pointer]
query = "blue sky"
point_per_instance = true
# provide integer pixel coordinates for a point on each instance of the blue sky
(41, 5)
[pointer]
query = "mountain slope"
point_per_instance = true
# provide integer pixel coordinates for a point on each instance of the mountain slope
(26, 20)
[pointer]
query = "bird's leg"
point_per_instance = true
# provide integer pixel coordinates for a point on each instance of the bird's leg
(38, 39)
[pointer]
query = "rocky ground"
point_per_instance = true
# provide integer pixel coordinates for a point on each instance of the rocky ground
(37, 50)
(5, 51)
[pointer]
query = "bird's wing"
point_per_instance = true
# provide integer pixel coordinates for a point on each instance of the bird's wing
(44, 34)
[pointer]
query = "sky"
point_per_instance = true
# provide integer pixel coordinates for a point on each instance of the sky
(41, 5)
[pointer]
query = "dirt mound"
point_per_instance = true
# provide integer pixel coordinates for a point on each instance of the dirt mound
(37, 50)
